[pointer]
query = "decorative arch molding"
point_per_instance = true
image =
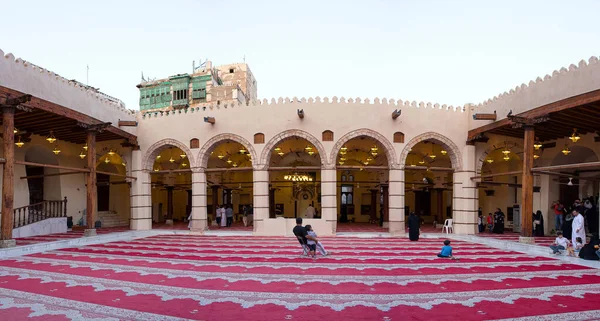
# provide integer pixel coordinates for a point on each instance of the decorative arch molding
(212, 143)
(159, 146)
(390, 151)
(268, 149)
(449, 145)
(481, 159)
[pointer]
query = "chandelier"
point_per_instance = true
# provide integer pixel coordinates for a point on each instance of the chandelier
(566, 151)
(575, 137)
(537, 144)
(51, 139)
(298, 178)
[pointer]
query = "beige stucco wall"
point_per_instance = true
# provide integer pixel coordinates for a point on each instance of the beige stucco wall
(278, 120)
(21, 75)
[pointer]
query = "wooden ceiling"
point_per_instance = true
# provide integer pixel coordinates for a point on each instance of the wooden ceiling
(581, 112)
(561, 124)
(64, 123)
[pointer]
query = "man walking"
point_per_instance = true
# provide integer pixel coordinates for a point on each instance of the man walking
(229, 214)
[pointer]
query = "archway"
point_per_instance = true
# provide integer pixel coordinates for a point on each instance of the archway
(169, 163)
(294, 160)
(428, 175)
(227, 160)
(363, 160)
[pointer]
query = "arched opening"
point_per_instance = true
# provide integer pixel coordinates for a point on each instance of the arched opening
(113, 203)
(229, 184)
(428, 187)
(294, 165)
(362, 177)
(171, 180)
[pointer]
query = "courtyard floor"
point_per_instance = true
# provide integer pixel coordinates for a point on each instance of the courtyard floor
(174, 277)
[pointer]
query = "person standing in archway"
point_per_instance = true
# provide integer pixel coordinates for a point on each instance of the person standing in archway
(413, 227)
(578, 229)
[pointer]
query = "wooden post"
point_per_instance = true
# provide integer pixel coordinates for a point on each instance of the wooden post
(527, 189)
(8, 178)
(91, 189)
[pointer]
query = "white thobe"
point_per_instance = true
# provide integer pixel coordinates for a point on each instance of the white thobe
(223, 217)
(310, 212)
(578, 225)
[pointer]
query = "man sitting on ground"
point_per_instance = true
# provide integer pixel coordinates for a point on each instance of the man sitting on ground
(302, 235)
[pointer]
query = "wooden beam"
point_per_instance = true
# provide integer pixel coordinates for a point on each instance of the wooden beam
(396, 113)
(567, 166)
(83, 170)
(8, 178)
(128, 123)
(53, 174)
(581, 178)
(527, 182)
(589, 97)
(301, 113)
(116, 175)
(432, 169)
(15, 101)
(497, 174)
(481, 116)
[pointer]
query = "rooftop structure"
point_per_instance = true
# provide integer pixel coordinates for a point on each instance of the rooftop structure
(222, 84)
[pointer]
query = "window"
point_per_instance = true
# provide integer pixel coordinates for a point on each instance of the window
(327, 136)
(398, 137)
(194, 143)
(259, 138)
(347, 195)
(231, 70)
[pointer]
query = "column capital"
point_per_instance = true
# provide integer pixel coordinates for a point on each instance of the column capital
(198, 170)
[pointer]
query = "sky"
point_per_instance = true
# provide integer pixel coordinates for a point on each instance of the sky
(446, 52)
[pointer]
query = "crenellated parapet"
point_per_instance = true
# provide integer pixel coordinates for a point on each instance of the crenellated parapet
(298, 102)
(561, 84)
(26, 77)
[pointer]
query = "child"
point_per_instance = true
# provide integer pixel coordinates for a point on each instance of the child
(560, 243)
(447, 251)
(574, 250)
(490, 222)
(312, 244)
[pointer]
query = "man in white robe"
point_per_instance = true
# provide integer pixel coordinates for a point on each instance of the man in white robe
(578, 228)
(223, 216)
(310, 212)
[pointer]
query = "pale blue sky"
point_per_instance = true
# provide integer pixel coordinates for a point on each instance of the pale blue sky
(450, 52)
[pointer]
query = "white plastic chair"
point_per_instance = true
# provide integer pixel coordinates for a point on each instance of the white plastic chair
(448, 226)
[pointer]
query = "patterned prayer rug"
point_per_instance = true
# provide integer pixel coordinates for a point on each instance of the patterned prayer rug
(177, 277)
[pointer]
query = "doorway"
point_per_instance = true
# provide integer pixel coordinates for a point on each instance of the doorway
(36, 184)
(103, 183)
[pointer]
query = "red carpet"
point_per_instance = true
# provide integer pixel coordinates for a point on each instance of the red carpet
(174, 277)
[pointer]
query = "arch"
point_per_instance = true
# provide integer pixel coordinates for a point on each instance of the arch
(259, 138)
(204, 153)
(268, 149)
(455, 155)
(390, 152)
(41, 155)
(159, 146)
(490, 149)
(194, 143)
(327, 136)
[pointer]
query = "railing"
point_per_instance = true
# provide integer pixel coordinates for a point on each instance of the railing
(39, 211)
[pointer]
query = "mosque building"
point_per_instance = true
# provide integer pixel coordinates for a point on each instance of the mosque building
(202, 140)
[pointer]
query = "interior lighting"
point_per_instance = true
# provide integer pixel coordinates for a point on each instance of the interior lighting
(182, 155)
(443, 152)
(111, 152)
(171, 160)
(56, 150)
(51, 139)
(566, 151)
(19, 143)
(82, 154)
(107, 160)
(574, 137)
(537, 144)
(489, 160)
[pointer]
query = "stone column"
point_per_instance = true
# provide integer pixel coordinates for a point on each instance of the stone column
(141, 194)
(8, 179)
(199, 213)
(91, 188)
(527, 187)
(169, 205)
(397, 225)
(464, 199)
(373, 212)
(261, 199)
(215, 200)
(329, 197)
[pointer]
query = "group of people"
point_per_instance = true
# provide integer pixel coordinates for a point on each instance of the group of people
(225, 216)
(494, 223)
(588, 209)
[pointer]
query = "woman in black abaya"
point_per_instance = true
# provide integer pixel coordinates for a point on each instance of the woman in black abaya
(588, 252)
(567, 227)
(413, 227)
(538, 224)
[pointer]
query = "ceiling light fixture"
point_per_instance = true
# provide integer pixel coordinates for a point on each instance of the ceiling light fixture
(566, 151)
(171, 160)
(182, 155)
(56, 150)
(574, 137)
(107, 160)
(443, 152)
(242, 151)
(51, 139)
(82, 154)
(19, 143)
(537, 144)
(489, 160)
(221, 156)
(111, 152)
